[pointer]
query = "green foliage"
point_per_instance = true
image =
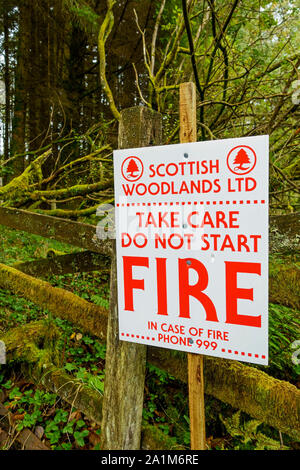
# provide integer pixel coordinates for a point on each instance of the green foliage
(83, 14)
(284, 327)
(83, 357)
(32, 407)
(246, 435)
(16, 310)
(17, 246)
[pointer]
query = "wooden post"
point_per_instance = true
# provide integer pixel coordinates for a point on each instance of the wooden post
(188, 133)
(126, 362)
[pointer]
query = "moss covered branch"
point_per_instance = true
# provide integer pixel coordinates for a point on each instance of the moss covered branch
(34, 344)
(103, 35)
(269, 400)
(74, 213)
(92, 157)
(274, 402)
(77, 190)
(16, 188)
(59, 302)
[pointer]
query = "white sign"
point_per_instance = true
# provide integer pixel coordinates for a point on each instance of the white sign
(192, 247)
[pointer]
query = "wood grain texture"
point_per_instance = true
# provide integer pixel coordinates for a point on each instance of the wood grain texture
(196, 401)
(187, 110)
(126, 362)
(188, 133)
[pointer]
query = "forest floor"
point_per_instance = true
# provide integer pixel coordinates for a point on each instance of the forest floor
(82, 356)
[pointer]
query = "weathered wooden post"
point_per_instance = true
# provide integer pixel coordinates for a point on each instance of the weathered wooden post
(188, 133)
(126, 362)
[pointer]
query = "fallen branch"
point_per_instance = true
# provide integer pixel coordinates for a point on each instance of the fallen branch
(16, 188)
(284, 275)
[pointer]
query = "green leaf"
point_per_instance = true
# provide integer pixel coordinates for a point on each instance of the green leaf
(69, 367)
(79, 437)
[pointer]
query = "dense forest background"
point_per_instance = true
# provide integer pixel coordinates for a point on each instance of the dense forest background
(69, 67)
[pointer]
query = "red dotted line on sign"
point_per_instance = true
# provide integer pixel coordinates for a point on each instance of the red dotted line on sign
(230, 351)
(127, 335)
(132, 204)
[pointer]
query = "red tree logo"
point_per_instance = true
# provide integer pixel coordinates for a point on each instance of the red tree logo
(241, 160)
(132, 168)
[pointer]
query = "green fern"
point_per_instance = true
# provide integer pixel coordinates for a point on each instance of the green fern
(247, 433)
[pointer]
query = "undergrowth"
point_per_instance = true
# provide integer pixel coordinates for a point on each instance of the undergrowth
(83, 357)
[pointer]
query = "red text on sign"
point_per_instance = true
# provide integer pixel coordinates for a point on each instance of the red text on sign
(187, 290)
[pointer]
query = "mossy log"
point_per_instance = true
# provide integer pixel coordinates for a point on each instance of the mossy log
(272, 401)
(33, 343)
(59, 302)
(73, 213)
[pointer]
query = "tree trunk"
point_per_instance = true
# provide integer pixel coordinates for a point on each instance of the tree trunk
(17, 145)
